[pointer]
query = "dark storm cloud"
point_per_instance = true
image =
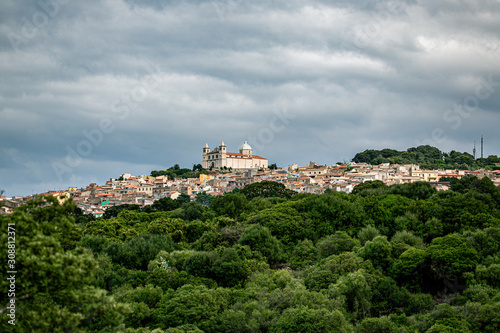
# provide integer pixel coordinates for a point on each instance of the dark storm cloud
(167, 76)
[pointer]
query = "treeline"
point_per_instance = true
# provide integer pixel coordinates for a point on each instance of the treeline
(403, 258)
(177, 172)
(428, 157)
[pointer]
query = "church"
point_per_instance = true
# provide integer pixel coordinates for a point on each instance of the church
(220, 158)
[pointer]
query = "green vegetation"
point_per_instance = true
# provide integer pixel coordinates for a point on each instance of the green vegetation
(402, 258)
(177, 172)
(267, 189)
(428, 158)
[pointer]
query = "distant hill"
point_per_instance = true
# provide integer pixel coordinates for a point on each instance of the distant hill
(427, 157)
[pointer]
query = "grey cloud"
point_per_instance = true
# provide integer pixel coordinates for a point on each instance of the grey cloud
(355, 75)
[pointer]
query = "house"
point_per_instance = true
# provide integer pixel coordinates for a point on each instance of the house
(425, 175)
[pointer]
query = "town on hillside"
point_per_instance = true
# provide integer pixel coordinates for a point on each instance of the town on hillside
(236, 170)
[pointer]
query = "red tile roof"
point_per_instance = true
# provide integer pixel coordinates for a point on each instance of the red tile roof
(235, 155)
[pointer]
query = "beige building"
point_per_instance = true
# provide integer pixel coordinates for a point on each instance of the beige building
(220, 158)
(425, 175)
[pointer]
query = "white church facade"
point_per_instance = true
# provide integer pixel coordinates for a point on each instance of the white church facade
(220, 158)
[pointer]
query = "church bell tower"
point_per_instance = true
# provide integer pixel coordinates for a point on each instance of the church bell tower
(204, 162)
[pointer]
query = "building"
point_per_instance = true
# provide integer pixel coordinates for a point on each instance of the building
(220, 158)
(425, 175)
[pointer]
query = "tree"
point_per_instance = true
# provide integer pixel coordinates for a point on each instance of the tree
(166, 204)
(336, 244)
(333, 211)
(354, 291)
(231, 205)
(486, 241)
(53, 291)
(115, 210)
(368, 185)
(384, 210)
(285, 223)
(193, 211)
(142, 300)
(273, 166)
(304, 254)
(483, 185)
(450, 325)
(416, 155)
(378, 251)
(204, 199)
(137, 252)
(368, 233)
(451, 256)
(333, 267)
(446, 179)
(408, 268)
(433, 228)
(403, 240)
(199, 264)
(266, 189)
(377, 325)
(407, 222)
(184, 198)
(417, 190)
(429, 152)
(259, 238)
(304, 319)
(492, 159)
(83, 219)
(229, 269)
(191, 304)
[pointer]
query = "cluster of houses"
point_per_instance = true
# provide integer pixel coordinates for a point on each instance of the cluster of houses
(144, 190)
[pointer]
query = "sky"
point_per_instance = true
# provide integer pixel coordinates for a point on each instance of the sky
(93, 89)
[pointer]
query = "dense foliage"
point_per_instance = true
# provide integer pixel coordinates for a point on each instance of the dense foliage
(402, 258)
(177, 172)
(428, 158)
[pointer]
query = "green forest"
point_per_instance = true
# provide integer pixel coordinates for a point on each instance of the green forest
(428, 157)
(401, 258)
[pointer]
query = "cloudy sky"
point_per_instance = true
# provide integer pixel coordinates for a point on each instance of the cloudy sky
(93, 89)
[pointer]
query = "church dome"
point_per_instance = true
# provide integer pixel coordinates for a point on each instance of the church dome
(245, 146)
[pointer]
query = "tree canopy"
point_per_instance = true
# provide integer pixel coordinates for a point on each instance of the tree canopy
(266, 189)
(401, 258)
(53, 285)
(427, 157)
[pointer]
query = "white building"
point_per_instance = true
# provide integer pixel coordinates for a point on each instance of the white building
(220, 158)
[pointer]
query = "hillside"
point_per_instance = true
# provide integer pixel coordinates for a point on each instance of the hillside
(401, 258)
(428, 157)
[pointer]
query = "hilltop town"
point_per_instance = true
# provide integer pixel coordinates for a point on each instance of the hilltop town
(144, 190)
